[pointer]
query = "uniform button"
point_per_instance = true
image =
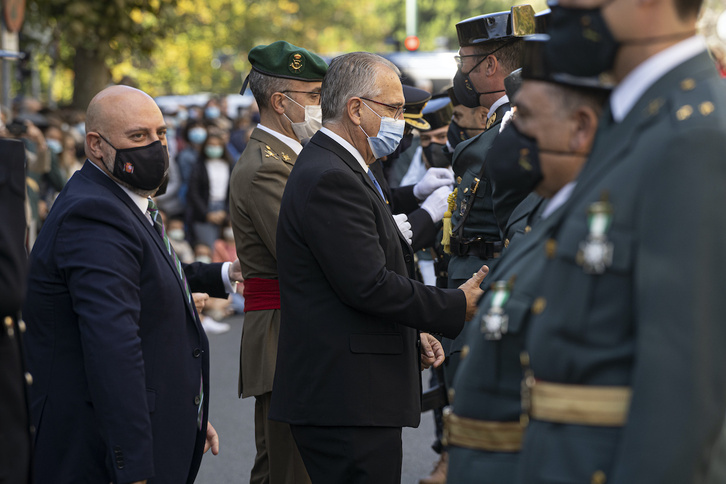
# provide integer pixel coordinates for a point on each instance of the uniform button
(407, 258)
(28, 378)
(196, 353)
(598, 477)
(539, 305)
(452, 393)
(21, 326)
(524, 358)
(197, 400)
(550, 248)
(506, 243)
(527, 229)
(9, 326)
(465, 351)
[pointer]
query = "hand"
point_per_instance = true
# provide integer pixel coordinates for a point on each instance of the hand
(200, 298)
(235, 272)
(437, 203)
(212, 441)
(404, 226)
(433, 179)
(473, 292)
(217, 217)
(432, 353)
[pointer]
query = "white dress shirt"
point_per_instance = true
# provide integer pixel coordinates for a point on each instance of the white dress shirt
(292, 143)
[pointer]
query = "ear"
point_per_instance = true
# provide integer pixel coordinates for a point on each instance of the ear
(585, 125)
(492, 64)
(276, 102)
(93, 145)
(353, 108)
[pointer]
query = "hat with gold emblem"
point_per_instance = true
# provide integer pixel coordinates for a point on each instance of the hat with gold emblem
(415, 100)
(282, 59)
(516, 23)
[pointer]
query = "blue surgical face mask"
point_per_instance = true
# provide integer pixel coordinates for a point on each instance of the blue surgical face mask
(214, 152)
(389, 135)
(197, 135)
(212, 112)
(54, 145)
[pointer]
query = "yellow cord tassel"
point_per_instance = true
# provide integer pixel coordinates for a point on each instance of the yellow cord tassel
(446, 237)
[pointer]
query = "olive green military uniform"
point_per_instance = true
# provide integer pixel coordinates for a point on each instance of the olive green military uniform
(484, 431)
(627, 355)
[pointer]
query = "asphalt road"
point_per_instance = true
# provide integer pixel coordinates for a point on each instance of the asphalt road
(233, 419)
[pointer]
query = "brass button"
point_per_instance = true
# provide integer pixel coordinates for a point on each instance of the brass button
(21, 326)
(684, 112)
(197, 400)
(706, 108)
(458, 180)
(524, 358)
(598, 477)
(452, 393)
(506, 243)
(465, 351)
(466, 190)
(28, 378)
(688, 84)
(550, 248)
(539, 305)
(527, 229)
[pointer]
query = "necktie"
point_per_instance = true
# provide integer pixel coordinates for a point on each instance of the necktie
(375, 182)
(159, 226)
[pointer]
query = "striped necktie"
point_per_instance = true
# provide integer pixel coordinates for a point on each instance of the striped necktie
(159, 226)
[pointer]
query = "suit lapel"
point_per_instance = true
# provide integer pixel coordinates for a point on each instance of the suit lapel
(324, 141)
(96, 175)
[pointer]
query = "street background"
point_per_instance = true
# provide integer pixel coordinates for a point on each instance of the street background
(233, 418)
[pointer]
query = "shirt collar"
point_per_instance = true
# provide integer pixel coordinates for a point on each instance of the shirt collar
(497, 103)
(558, 200)
(351, 149)
(139, 201)
(292, 143)
(632, 88)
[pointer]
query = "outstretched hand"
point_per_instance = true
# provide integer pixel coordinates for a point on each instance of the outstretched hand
(473, 292)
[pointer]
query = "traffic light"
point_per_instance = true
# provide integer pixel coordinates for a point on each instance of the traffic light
(411, 43)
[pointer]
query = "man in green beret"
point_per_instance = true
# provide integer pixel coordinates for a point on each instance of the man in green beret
(285, 81)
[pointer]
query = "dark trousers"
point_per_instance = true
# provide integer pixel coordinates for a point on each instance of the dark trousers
(350, 455)
(278, 460)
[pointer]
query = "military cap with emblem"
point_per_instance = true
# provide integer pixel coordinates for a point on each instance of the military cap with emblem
(535, 67)
(516, 23)
(415, 99)
(438, 111)
(282, 59)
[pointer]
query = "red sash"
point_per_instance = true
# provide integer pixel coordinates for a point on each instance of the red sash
(261, 294)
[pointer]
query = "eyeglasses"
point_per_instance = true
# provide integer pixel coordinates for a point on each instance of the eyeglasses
(399, 110)
(309, 93)
(460, 59)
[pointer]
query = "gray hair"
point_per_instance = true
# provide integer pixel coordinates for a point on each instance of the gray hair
(348, 76)
(264, 86)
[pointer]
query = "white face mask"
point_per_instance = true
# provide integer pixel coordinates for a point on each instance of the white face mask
(313, 121)
(389, 135)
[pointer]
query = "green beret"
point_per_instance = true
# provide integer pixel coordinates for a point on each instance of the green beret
(282, 59)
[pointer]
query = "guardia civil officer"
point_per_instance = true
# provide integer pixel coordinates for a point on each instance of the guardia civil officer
(490, 51)
(543, 148)
(628, 380)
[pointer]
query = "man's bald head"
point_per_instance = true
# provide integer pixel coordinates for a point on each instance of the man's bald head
(108, 102)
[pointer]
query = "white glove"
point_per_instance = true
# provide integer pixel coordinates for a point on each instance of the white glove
(433, 179)
(404, 226)
(437, 203)
(506, 119)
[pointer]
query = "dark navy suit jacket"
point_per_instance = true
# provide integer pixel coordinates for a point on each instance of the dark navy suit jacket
(116, 351)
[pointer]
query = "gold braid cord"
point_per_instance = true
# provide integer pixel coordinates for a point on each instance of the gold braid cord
(446, 238)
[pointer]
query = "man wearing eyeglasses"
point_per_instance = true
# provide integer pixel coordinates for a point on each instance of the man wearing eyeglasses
(285, 81)
(350, 347)
(490, 49)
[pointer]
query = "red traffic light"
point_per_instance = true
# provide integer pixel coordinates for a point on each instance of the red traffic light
(411, 43)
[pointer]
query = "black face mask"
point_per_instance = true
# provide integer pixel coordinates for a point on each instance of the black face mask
(513, 161)
(464, 89)
(435, 155)
(164, 185)
(143, 167)
(581, 43)
(456, 134)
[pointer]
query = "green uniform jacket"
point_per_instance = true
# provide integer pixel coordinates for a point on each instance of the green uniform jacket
(256, 185)
(654, 319)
